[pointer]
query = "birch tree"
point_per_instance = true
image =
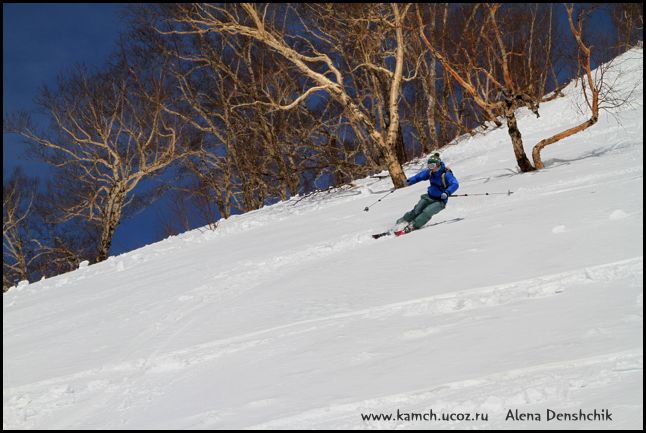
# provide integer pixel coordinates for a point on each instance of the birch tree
(110, 132)
(17, 253)
(485, 70)
(597, 92)
(319, 68)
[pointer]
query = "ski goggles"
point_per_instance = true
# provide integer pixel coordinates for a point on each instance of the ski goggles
(433, 165)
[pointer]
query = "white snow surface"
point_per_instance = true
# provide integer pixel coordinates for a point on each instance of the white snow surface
(293, 317)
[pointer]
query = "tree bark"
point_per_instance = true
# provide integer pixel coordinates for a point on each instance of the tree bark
(517, 141)
(111, 219)
(536, 152)
(594, 89)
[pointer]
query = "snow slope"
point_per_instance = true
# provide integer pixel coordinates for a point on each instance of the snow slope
(292, 316)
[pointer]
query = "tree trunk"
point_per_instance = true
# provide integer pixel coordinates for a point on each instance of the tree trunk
(432, 93)
(517, 141)
(400, 150)
(111, 219)
(334, 161)
(394, 168)
(394, 128)
(225, 209)
(536, 152)
(594, 88)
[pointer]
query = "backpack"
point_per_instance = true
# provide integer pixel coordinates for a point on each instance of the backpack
(444, 185)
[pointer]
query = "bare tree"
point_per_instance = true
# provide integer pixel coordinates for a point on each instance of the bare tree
(241, 151)
(597, 92)
(430, 86)
(629, 22)
(109, 130)
(491, 72)
(35, 243)
(60, 244)
(318, 67)
(17, 200)
(176, 218)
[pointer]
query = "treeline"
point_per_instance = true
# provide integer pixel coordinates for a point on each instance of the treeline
(226, 107)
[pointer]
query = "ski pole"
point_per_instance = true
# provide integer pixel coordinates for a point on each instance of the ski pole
(485, 193)
(368, 207)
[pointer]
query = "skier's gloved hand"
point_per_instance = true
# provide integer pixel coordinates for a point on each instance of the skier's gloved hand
(444, 196)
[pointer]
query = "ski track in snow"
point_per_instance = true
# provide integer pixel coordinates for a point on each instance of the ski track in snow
(492, 394)
(547, 382)
(436, 305)
(245, 276)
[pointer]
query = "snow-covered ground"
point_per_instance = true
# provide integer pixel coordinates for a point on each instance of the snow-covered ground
(292, 316)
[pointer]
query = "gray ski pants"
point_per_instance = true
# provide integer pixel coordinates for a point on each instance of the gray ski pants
(422, 212)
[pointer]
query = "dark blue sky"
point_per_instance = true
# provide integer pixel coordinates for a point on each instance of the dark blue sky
(41, 41)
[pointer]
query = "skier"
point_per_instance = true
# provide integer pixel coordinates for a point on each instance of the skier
(443, 184)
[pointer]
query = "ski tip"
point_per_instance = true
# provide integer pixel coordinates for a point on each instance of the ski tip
(379, 235)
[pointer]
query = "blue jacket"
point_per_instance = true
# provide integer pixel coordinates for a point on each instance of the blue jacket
(436, 189)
